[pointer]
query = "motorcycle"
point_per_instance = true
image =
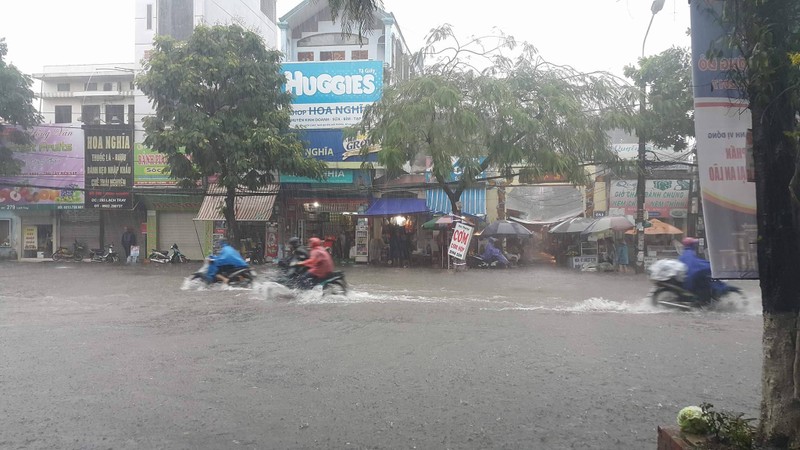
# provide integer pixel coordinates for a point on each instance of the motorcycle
(237, 276)
(256, 255)
(177, 257)
(667, 277)
(333, 284)
(97, 255)
(76, 253)
(159, 256)
(476, 262)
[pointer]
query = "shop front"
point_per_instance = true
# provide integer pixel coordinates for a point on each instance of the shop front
(170, 220)
(253, 210)
(394, 231)
(8, 244)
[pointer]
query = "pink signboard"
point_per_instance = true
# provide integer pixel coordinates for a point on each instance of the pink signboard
(52, 176)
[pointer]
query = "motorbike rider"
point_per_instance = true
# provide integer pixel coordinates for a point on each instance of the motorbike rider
(296, 252)
(226, 261)
(320, 264)
(698, 274)
(491, 254)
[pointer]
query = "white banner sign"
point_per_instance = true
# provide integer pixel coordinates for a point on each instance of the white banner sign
(459, 245)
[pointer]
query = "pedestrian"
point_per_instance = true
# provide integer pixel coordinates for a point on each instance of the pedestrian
(623, 258)
(128, 240)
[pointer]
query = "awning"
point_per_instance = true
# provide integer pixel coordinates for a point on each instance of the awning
(543, 204)
(473, 201)
(395, 206)
(250, 206)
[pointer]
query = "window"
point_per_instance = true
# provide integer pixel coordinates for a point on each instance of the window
(90, 87)
(63, 114)
(359, 54)
(108, 86)
(305, 56)
(331, 56)
(115, 114)
(90, 114)
(150, 17)
(327, 39)
(176, 18)
(63, 87)
(131, 114)
(133, 86)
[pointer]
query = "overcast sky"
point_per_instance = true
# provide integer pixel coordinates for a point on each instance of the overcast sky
(587, 34)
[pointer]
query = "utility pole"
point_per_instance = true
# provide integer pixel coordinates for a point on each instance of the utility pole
(641, 166)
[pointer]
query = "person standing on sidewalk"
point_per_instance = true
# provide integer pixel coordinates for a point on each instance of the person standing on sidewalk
(128, 240)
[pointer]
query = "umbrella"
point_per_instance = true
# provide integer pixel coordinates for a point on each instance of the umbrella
(574, 225)
(658, 227)
(614, 223)
(504, 228)
(444, 222)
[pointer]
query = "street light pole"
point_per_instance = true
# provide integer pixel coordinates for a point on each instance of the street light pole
(640, 160)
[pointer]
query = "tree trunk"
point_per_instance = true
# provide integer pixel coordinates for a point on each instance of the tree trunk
(778, 249)
(232, 233)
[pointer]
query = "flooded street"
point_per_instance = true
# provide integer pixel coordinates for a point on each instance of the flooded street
(136, 357)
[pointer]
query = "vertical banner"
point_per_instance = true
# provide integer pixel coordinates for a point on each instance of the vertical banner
(722, 121)
(30, 237)
(109, 166)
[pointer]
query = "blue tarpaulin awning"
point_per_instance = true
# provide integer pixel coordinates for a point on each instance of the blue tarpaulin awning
(473, 201)
(395, 206)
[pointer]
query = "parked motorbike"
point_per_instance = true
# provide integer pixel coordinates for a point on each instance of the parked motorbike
(159, 256)
(76, 253)
(667, 277)
(98, 255)
(256, 255)
(177, 257)
(237, 276)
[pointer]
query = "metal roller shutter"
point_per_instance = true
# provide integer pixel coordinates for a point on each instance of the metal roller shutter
(114, 223)
(179, 228)
(80, 224)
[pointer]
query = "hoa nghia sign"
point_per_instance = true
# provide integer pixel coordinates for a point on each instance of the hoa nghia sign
(109, 166)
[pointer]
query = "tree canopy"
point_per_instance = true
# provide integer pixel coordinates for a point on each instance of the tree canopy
(16, 108)
(479, 104)
(354, 15)
(668, 121)
(221, 109)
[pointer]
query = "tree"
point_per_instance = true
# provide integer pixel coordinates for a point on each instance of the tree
(767, 34)
(513, 115)
(16, 108)
(220, 109)
(354, 14)
(668, 121)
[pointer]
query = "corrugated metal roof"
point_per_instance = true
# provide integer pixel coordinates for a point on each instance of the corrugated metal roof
(473, 201)
(251, 206)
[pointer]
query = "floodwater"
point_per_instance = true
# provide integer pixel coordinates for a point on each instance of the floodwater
(130, 357)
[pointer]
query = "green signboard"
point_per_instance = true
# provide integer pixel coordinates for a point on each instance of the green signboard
(150, 167)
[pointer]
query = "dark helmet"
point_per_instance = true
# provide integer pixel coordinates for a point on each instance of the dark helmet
(690, 242)
(294, 242)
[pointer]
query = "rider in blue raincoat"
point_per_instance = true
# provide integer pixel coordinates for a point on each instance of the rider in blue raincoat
(698, 274)
(491, 253)
(227, 256)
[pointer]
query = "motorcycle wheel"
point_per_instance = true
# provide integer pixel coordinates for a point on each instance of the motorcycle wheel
(337, 287)
(664, 295)
(77, 257)
(113, 258)
(57, 256)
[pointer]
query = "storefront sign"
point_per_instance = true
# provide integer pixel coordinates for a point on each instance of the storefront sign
(663, 198)
(332, 94)
(721, 121)
(150, 168)
(333, 147)
(109, 166)
(336, 176)
(30, 237)
(459, 244)
(52, 174)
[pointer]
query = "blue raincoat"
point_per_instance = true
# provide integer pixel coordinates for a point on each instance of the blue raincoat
(228, 256)
(698, 275)
(492, 253)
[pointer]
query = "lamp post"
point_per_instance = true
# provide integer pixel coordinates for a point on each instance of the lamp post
(640, 160)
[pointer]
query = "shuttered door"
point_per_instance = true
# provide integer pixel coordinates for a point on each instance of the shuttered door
(179, 228)
(114, 223)
(80, 224)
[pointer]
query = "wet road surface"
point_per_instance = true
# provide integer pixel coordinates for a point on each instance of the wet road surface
(104, 356)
